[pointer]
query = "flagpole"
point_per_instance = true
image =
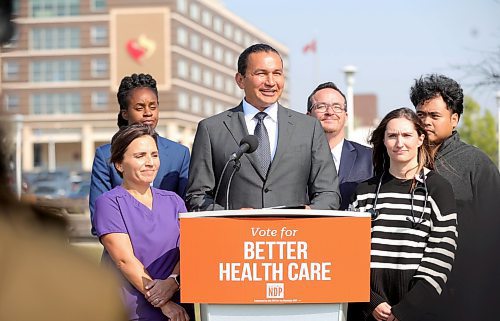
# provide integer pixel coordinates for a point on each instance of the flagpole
(316, 63)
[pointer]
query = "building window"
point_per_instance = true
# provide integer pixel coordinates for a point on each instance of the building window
(195, 73)
(229, 58)
(182, 68)
(183, 101)
(207, 78)
(54, 8)
(218, 52)
(99, 35)
(196, 104)
(99, 67)
(55, 70)
(60, 103)
(229, 86)
(100, 100)
(55, 38)
(182, 36)
(12, 102)
(238, 37)
(182, 6)
(98, 5)
(194, 42)
(219, 108)
(208, 107)
(217, 24)
(228, 31)
(194, 12)
(218, 82)
(248, 40)
(11, 70)
(206, 19)
(207, 48)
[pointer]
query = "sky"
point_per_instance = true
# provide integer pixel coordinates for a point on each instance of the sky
(391, 43)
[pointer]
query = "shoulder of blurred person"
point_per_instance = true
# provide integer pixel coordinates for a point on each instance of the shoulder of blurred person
(42, 277)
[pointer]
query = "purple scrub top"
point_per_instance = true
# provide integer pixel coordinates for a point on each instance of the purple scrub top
(154, 235)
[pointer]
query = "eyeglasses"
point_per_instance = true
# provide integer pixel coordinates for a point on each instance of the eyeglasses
(322, 108)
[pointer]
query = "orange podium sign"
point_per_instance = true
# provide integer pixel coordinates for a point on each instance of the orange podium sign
(274, 259)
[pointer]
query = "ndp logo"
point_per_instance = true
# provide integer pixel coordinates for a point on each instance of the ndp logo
(275, 291)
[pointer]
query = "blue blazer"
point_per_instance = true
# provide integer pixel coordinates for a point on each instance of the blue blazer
(355, 166)
(172, 174)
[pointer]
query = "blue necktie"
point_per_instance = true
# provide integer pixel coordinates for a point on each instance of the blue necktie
(264, 150)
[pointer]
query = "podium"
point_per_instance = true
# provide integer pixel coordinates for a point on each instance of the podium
(275, 264)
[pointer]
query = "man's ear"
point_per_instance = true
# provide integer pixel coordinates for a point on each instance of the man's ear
(239, 78)
(454, 120)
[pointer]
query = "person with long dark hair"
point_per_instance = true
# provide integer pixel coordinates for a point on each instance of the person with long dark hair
(414, 222)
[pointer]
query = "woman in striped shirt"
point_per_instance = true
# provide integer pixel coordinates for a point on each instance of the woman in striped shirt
(414, 222)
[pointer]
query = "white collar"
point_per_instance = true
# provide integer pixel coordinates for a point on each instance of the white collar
(250, 111)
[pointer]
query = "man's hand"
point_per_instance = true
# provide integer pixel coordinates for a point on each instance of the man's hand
(160, 292)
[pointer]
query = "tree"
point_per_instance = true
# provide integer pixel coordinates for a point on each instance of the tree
(479, 129)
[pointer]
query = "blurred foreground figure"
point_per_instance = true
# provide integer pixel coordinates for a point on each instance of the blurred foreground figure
(42, 278)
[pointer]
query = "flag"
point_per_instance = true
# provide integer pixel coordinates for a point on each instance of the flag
(310, 47)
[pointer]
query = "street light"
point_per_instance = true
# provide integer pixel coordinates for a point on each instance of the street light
(18, 120)
(498, 130)
(349, 72)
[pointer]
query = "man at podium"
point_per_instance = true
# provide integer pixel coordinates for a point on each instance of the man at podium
(292, 164)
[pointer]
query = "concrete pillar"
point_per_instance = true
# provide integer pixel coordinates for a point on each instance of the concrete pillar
(27, 145)
(87, 147)
(52, 155)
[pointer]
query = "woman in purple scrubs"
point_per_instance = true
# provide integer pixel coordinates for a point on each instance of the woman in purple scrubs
(138, 226)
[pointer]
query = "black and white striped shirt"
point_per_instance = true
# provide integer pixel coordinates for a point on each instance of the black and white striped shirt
(412, 249)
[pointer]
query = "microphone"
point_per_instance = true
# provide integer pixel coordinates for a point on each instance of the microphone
(248, 145)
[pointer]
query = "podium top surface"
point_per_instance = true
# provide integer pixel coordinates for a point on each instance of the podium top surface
(268, 212)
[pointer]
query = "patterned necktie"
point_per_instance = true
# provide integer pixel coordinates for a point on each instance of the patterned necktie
(264, 150)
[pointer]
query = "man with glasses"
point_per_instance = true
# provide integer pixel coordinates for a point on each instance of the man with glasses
(352, 160)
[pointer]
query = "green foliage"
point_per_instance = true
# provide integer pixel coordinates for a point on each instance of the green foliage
(479, 129)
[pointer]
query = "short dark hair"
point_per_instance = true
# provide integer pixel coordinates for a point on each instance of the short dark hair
(381, 157)
(330, 85)
(435, 85)
(127, 85)
(259, 47)
(126, 135)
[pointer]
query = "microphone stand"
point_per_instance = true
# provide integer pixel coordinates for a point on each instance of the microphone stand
(236, 167)
(220, 181)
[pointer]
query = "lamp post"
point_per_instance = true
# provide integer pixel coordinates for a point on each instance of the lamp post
(18, 120)
(349, 72)
(498, 129)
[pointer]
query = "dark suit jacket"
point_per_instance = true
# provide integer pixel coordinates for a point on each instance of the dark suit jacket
(355, 166)
(302, 171)
(172, 174)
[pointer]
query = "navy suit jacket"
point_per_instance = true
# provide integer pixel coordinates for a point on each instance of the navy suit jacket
(355, 166)
(172, 174)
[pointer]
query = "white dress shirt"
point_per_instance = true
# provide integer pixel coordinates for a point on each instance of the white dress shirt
(337, 154)
(271, 123)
